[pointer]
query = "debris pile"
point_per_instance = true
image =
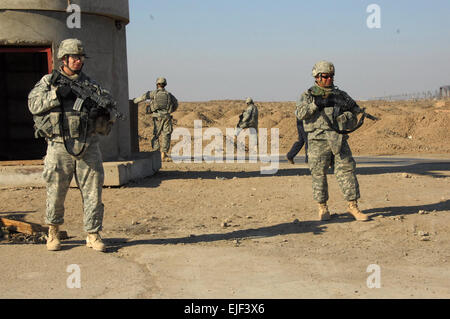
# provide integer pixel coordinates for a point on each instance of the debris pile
(7, 233)
(20, 232)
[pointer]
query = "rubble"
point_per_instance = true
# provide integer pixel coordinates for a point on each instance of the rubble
(20, 232)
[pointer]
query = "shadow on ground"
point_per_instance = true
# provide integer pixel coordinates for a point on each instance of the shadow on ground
(19, 215)
(315, 227)
(433, 169)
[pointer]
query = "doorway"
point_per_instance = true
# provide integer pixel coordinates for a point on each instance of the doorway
(20, 69)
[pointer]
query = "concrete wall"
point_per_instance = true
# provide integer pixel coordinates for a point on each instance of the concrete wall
(43, 23)
(115, 9)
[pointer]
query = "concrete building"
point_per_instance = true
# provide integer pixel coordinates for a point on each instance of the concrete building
(30, 33)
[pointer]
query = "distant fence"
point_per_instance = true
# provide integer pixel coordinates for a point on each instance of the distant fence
(442, 93)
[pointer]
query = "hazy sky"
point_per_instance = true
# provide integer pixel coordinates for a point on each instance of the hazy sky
(211, 49)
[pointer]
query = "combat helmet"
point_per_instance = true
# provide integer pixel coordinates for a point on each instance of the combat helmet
(249, 100)
(162, 81)
(70, 46)
(322, 67)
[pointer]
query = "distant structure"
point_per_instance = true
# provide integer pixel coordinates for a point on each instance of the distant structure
(444, 91)
(30, 32)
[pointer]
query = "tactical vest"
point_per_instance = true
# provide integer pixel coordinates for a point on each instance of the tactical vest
(330, 119)
(64, 121)
(75, 125)
(162, 102)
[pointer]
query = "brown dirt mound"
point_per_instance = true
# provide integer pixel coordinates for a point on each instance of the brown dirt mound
(405, 127)
(188, 120)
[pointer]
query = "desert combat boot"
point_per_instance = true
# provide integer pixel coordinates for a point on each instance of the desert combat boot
(324, 213)
(95, 242)
(53, 242)
(354, 210)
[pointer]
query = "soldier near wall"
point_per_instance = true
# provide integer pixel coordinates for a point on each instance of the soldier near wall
(162, 104)
(329, 114)
(70, 111)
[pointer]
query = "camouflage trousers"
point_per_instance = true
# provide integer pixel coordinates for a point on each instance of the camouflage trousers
(319, 159)
(162, 128)
(59, 168)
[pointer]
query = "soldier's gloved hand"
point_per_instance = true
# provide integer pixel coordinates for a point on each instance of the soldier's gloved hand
(63, 91)
(322, 102)
(338, 99)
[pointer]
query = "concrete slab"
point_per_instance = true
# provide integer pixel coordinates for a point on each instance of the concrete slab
(116, 173)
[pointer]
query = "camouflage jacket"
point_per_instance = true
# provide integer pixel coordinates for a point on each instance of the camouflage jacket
(46, 107)
(249, 118)
(343, 116)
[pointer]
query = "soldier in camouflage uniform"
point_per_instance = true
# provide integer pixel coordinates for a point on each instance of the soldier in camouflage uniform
(73, 146)
(248, 118)
(324, 123)
(162, 104)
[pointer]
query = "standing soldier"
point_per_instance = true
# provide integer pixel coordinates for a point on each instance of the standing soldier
(248, 118)
(71, 124)
(162, 104)
(328, 114)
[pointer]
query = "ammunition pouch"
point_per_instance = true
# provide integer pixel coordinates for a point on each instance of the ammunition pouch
(48, 125)
(55, 118)
(346, 121)
(43, 126)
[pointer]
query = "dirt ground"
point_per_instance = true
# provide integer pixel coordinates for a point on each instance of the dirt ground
(223, 230)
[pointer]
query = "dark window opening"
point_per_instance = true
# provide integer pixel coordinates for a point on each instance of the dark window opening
(20, 69)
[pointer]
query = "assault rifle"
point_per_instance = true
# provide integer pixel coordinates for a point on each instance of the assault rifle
(370, 116)
(240, 120)
(344, 103)
(88, 95)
